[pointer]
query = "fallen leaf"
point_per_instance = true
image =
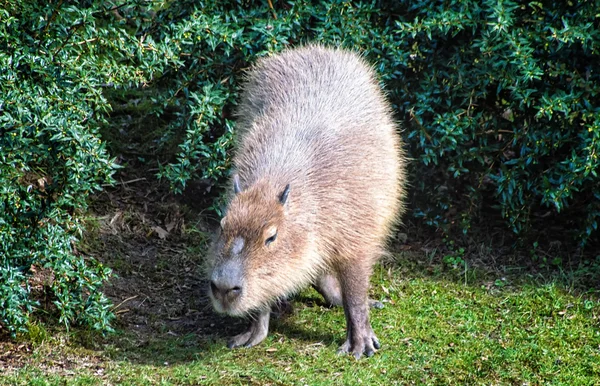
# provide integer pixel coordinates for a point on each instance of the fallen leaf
(170, 226)
(162, 234)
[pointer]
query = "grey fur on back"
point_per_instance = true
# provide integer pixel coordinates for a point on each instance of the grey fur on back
(315, 118)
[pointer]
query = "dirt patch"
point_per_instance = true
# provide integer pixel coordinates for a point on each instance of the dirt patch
(57, 356)
(156, 247)
(155, 243)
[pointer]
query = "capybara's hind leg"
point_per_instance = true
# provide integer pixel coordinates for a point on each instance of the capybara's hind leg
(329, 287)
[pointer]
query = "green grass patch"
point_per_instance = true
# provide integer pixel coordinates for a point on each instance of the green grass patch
(434, 330)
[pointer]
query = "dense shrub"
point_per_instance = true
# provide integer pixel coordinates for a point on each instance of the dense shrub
(54, 57)
(500, 99)
(504, 96)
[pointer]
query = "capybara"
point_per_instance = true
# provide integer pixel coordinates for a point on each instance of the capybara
(317, 187)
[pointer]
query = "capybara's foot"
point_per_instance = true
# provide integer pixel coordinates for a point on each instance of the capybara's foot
(376, 304)
(366, 344)
(259, 328)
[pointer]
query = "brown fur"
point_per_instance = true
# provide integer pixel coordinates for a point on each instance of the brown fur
(316, 119)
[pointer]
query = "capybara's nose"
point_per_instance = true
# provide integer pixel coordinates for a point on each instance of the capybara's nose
(225, 291)
(226, 282)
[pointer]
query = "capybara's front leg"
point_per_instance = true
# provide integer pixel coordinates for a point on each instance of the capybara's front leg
(360, 338)
(259, 328)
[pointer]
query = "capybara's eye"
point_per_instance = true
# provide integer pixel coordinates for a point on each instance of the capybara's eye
(270, 239)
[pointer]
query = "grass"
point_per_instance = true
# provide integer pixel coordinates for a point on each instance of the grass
(435, 330)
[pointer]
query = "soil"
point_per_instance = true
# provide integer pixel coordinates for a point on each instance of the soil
(156, 242)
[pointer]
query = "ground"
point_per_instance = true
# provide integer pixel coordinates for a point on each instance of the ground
(444, 321)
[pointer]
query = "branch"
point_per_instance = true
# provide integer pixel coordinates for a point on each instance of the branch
(414, 118)
(272, 9)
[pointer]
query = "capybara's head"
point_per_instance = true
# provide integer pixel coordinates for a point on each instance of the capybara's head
(249, 262)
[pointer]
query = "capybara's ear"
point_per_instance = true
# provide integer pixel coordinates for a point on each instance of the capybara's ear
(284, 195)
(236, 184)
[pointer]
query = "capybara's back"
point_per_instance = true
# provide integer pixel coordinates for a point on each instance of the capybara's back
(319, 174)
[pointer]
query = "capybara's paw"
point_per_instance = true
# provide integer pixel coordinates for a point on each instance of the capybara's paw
(376, 304)
(259, 328)
(239, 340)
(247, 339)
(366, 345)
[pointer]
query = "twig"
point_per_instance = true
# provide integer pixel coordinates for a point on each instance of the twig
(125, 182)
(113, 9)
(272, 9)
(85, 41)
(50, 20)
(126, 300)
(414, 117)
(143, 301)
(72, 30)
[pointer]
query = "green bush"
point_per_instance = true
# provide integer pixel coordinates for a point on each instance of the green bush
(499, 99)
(504, 97)
(55, 59)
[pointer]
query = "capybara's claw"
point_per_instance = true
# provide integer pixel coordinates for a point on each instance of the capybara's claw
(366, 346)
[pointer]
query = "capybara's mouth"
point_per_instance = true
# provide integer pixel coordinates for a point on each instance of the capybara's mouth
(227, 309)
(223, 305)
